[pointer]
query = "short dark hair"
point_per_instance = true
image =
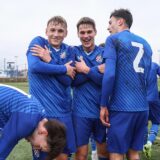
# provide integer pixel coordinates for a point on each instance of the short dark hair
(56, 138)
(125, 14)
(86, 20)
(102, 44)
(58, 20)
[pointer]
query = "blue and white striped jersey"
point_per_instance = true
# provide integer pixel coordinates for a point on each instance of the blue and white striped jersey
(48, 82)
(128, 61)
(87, 87)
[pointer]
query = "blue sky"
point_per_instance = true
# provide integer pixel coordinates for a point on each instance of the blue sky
(22, 20)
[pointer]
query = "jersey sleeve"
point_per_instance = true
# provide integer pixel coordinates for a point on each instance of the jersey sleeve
(36, 65)
(110, 49)
(95, 75)
(63, 78)
(109, 74)
(79, 79)
(9, 137)
(19, 126)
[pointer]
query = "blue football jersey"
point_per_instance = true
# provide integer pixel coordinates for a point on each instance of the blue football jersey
(87, 87)
(129, 61)
(48, 82)
(152, 86)
(20, 114)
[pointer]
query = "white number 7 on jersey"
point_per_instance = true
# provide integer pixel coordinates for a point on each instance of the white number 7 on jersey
(138, 57)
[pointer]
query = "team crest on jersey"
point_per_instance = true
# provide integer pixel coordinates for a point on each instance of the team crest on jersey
(99, 59)
(63, 55)
(79, 58)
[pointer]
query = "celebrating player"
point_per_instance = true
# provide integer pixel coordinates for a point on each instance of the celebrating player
(50, 73)
(124, 106)
(87, 91)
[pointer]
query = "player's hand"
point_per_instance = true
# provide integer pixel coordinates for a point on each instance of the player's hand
(41, 52)
(104, 116)
(81, 66)
(70, 69)
(101, 68)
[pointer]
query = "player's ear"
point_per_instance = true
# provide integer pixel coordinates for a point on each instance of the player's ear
(44, 131)
(95, 32)
(66, 32)
(121, 21)
(46, 31)
(44, 120)
(78, 33)
(41, 127)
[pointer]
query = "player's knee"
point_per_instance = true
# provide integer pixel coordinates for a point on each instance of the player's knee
(133, 157)
(103, 155)
(102, 152)
(62, 156)
(82, 153)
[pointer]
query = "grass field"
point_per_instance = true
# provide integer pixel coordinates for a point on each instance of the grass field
(22, 151)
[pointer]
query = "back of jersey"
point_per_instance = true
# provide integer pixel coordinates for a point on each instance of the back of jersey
(133, 55)
(14, 100)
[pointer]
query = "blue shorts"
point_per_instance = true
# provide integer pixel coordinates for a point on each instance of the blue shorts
(127, 131)
(84, 127)
(154, 112)
(71, 143)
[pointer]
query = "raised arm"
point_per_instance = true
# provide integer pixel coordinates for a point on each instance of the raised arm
(36, 65)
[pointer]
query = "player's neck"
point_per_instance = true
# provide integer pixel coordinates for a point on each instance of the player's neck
(89, 49)
(123, 28)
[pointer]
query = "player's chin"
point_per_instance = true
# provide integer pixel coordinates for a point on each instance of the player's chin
(56, 44)
(87, 44)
